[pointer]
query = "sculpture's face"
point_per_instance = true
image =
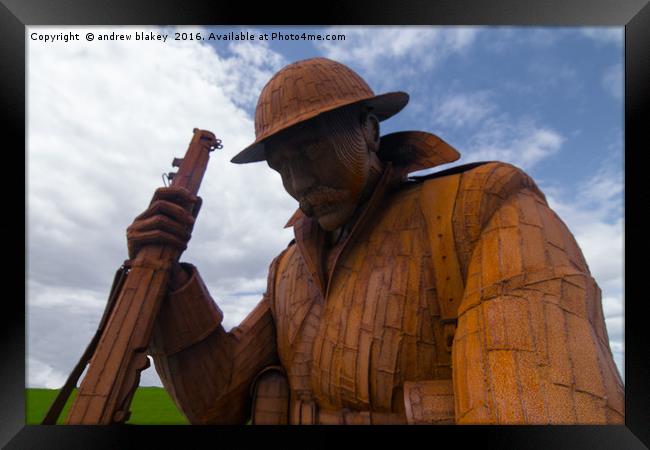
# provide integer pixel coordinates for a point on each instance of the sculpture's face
(324, 164)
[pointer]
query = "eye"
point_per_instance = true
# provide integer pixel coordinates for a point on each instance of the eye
(274, 156)
(278, 161)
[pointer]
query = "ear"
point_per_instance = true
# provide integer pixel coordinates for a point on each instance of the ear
(370, 127)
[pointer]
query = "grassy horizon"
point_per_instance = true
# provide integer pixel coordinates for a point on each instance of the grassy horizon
(150, 406)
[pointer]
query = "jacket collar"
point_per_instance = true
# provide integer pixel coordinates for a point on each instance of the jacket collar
(411, 151)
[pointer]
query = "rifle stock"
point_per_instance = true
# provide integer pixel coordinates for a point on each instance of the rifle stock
(113, 374)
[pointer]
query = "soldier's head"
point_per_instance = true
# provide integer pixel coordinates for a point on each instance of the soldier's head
(317, 124)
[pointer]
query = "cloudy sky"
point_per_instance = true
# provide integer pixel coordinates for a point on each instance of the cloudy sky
(105, 119)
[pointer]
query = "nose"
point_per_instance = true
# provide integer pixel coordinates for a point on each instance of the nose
(302, 178)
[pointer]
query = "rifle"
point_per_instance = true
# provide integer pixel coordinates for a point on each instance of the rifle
(124, 332)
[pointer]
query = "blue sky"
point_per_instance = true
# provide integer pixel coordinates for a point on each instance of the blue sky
(106, 118)
(566, 79)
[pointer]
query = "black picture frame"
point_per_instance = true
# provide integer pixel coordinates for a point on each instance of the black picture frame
(15, 15)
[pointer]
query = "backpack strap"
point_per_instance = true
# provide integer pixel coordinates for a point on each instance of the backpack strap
(438, 197)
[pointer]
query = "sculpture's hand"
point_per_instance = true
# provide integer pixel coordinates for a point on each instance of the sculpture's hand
(168, 220)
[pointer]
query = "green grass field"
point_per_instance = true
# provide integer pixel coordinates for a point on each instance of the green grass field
(150, 406)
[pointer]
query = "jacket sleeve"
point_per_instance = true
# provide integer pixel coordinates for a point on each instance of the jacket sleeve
(206, 370)
(531, 344)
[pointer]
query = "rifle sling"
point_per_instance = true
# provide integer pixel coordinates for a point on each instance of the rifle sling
(59, 402)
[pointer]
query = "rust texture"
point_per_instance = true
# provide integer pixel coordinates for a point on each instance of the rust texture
(454, 298)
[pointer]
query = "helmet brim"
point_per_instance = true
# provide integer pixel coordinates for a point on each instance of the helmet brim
(383, 106)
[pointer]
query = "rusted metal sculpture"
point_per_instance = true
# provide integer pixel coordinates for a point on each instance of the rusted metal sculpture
(119, 348)
(454, 298)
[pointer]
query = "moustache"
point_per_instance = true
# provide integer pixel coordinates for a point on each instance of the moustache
(320, 196)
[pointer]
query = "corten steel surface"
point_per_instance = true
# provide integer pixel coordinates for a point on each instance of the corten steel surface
(114, 370)
(370, 344)
(460, 297)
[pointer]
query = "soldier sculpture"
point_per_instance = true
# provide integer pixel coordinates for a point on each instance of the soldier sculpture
(458, 297)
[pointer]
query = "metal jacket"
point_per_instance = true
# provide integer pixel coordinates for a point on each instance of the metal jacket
(460, 297)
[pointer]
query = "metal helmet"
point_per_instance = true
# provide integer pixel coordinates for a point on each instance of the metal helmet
(305, 89)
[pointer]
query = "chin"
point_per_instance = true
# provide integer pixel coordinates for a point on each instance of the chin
(328, 225)
(335, 219)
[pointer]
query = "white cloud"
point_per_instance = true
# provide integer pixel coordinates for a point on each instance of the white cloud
(79, 299)
(461, 110)
(599, 198)
(487, 132)
(40, 374)
(397, 51)
(616, 334)
(618, 352)
(612, 307)
(547, 75)
(523, 144)
(612, 81)
(257, 62)
(235, 308)
(105, 120)
(604, 35)
(604, 256)
(503, 39)
(544, 37)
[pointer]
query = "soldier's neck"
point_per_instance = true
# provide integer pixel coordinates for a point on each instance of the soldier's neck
(337, 236)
